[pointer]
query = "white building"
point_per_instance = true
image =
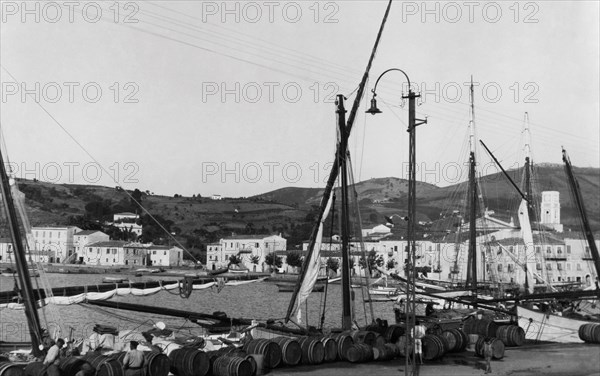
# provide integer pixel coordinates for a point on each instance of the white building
(105, 253)
(162, 255)
(550, 210)
(252, 250)
(128, 222)
(85, 237)
(55, 241)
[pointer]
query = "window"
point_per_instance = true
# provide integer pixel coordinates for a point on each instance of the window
(548, 266)
(538, 249)
(578, 267)
(558, 278)
(549, 250)
(511, 248)
(108, 251)
(164, 253)
(559, 266)
(44, 234)
(510, 268)
(106, 260)
(153, 252)
(538, 266)
(256, 245)
(500, 268)
(568, 249)
(568, 266)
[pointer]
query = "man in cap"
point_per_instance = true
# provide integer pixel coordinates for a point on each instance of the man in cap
(134, 361)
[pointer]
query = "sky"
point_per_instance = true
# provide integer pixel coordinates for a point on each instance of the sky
(237, 98)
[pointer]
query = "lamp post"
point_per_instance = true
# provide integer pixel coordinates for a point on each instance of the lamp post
(413, 122)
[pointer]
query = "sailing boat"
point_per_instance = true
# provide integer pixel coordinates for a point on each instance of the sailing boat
(545, 325)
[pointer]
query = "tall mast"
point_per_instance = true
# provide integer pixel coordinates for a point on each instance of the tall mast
(346, 304)
(527, 168)
(335, 168)
(582, 213)
(472, 201)
(26, 289)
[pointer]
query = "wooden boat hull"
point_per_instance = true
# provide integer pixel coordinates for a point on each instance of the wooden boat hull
(540, 326)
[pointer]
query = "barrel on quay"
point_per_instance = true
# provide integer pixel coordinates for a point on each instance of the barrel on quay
(313, 351)
(71, 365)
(189, 362)
(104, 365)
(483, 327)
(434, 346)
(344, 342)
(11, 369)
(590, 333)
(497, 347)
(330, 349)
(291, 352)
(270, 350)
(231, 366)
(457, 340)
(511, 335)
(359, 353)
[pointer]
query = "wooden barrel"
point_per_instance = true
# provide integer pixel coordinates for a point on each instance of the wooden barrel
(104, 365)
(393, 333)
(359, 353)
(511, 335)
(257, 359)
(401, 345)
(270, 350)
(11, 369)
(486, 328)
(33, 368)
(434, 346)
(71, 365)
(157, 364)
(364, 336)
(497, 347)
(344, 341)
(590, 333)
(313, 351)
(385, 352)
(291, 352)
(189, 362)
(379, 340)
(330, 349)
(231, 366)
(457, 340)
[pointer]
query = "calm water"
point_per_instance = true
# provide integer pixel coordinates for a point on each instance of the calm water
(260, 300)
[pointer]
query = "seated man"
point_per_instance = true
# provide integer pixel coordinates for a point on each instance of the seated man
(134, 360)
(52, 359)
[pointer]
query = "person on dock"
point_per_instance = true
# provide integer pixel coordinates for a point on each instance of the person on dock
(52, 359)
(418, 334)
(488, 352)
(134, 361)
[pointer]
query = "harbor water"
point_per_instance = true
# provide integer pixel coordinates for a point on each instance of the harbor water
(258, 300)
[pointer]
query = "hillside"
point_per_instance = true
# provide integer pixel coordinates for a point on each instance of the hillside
(196, 221)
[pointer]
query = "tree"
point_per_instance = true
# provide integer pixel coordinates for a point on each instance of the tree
(294, 259)
(255, 259)
(136, 198)
(235, 260)
(273, 261)
(333, 264)
(373, 261)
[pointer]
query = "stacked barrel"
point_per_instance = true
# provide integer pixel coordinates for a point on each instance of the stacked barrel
(590, 333)
(497, 347)
(11, 369)
(511, 335)
(456, 339)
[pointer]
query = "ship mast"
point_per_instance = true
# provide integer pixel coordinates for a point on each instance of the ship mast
(582, 213)
(528, 167)
(26, 288)
(472, 203)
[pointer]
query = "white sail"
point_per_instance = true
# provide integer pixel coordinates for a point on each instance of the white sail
(528, 241)
(312, 267)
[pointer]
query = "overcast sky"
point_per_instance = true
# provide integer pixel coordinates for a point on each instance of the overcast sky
(236, 98)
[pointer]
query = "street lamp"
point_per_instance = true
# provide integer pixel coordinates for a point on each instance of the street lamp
(413, 122)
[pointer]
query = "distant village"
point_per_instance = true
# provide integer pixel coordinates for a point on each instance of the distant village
(560, 257)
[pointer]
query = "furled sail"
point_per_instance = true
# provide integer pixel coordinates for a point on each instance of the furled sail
(528, 241)
(312, 265)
